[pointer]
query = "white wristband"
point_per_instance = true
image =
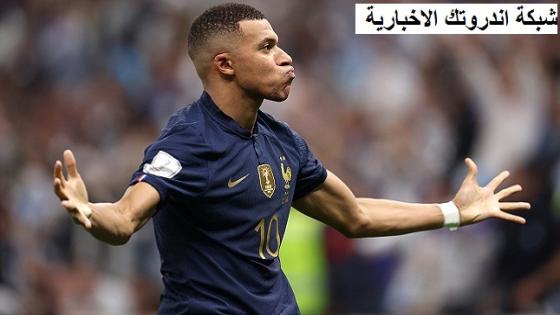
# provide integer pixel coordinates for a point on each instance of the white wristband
(451, 217)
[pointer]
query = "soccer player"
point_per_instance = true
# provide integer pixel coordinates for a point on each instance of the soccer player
(221, 178)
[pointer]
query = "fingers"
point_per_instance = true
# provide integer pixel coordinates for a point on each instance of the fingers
(57, 173)
(58, 189)
(59, 184)
(70, 163)
(510, 217)
(512, 206)
(515, 205)
(472, 170)
(59, 181)
(508, 191)
(76, 214)
(498, 180)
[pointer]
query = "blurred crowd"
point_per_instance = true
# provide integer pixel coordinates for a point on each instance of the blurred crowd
(393, 116)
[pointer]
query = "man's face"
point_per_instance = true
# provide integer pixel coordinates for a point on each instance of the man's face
(262, 69)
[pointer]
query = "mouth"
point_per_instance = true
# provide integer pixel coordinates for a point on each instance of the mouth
(291, 74)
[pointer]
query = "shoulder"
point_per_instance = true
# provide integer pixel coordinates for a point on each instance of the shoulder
(285, 133)
(281, 127)
(277, 127)
(187, 117)
(182, 136)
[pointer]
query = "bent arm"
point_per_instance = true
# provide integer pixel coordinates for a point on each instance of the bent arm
(114, 223)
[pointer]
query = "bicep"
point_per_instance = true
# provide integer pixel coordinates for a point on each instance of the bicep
(139, 203)
(332, 203)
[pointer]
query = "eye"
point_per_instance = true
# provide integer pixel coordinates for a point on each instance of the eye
(268, 46)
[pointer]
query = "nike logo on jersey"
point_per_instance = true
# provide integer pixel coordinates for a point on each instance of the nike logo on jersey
(236, 182)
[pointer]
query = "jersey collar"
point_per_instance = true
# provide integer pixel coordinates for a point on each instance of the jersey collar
(227, 122)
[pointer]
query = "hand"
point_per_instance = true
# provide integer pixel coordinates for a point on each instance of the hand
(72, 192)
(477, 203)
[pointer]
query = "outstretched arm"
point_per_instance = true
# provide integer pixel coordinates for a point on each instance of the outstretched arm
(113, 223)
(334, 204)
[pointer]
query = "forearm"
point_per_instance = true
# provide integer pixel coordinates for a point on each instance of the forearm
(383, 217)
(334, 204)
(110, 224)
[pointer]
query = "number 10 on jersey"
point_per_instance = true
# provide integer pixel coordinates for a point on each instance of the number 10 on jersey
(264, 231)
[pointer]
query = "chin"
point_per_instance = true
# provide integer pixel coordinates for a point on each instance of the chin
(280, 96)
(277, 98)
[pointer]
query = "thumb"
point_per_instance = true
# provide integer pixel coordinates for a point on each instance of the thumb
(472, 170)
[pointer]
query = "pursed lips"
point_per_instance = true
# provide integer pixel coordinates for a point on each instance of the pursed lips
(291, 74)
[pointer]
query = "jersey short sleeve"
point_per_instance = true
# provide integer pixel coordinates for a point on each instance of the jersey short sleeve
(311, 172)
(173, 164)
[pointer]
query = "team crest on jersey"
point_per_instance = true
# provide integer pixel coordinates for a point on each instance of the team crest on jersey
(266, 179)
(286, 173)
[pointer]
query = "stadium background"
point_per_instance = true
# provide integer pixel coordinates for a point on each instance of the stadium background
(392, 115)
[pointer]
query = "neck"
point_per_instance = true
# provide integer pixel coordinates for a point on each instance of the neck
(237, 105)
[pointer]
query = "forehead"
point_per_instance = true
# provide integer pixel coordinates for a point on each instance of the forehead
(257, 30)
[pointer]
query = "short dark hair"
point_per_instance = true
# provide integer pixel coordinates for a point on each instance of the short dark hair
(219, 20)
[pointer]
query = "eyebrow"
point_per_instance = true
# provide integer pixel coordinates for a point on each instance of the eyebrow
(268, 40)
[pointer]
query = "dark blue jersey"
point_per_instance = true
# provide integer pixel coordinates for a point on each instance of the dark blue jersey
(225, 196)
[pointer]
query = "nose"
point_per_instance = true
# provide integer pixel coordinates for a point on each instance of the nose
(284, 59)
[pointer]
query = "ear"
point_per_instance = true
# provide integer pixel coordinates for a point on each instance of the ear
(222, 62)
